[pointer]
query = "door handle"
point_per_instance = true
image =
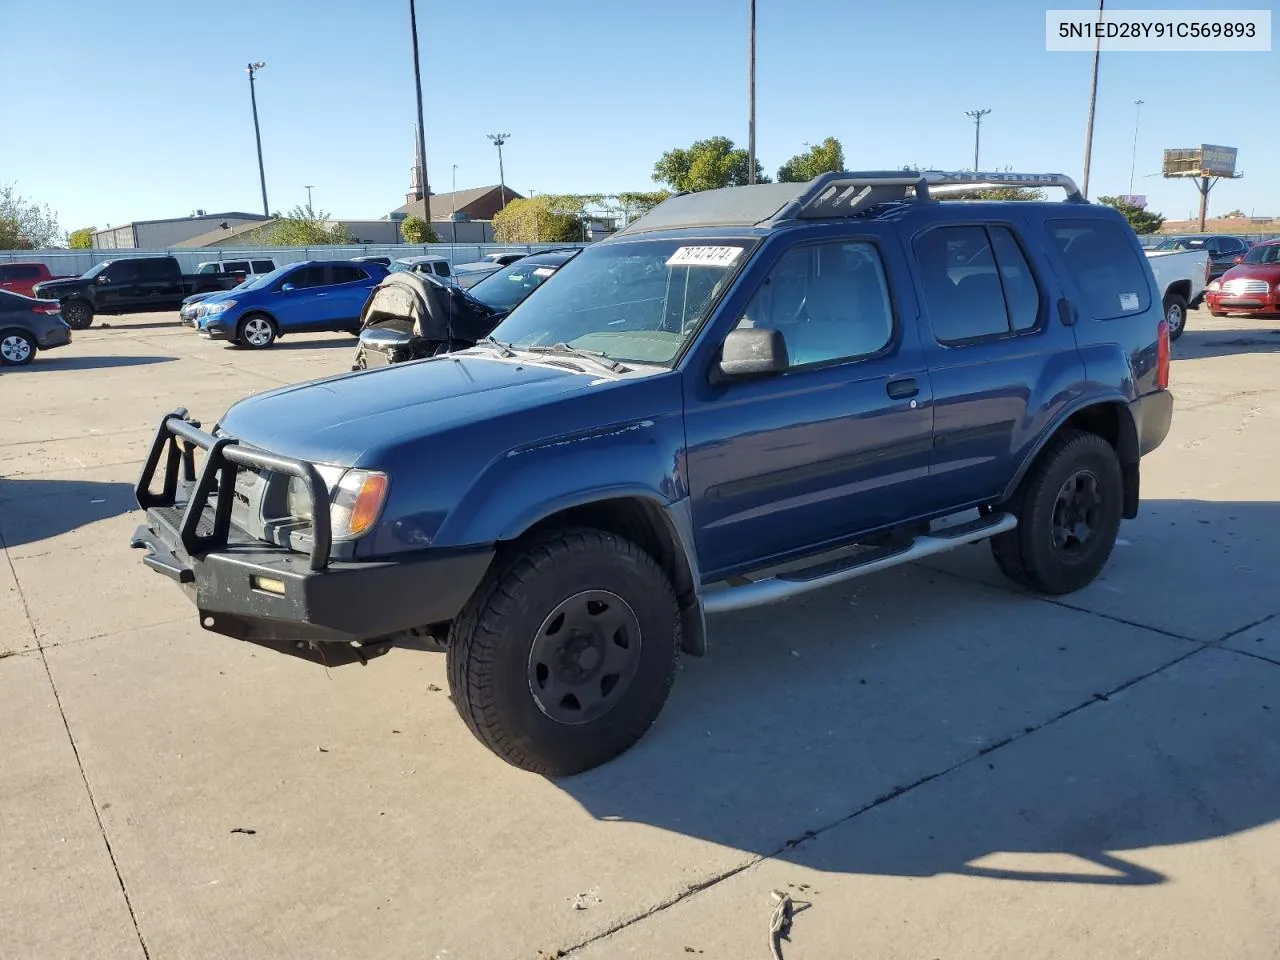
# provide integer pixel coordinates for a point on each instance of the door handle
(901, 389)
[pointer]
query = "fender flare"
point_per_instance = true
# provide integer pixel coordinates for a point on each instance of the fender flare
(1126, 441)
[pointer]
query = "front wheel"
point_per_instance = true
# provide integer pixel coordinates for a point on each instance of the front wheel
(565, 654)
(1217, 313)
(1068, 511)
(78, 314)
(17, 348)
(256, 332)
(1175, 314)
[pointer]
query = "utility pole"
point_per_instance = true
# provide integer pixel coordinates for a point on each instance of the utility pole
(498, 140)
(1133, 162)
(257, 133)
(751, 121)
(1093, 102)
(422, 137)
(976, 116)
(308, 187)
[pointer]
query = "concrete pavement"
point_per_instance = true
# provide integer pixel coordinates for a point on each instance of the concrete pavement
(942, 765)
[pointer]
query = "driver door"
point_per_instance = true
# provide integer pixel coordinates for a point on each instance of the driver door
(837, 444)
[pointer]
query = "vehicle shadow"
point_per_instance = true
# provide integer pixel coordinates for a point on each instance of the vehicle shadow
(35, 510)
(153, 325)
(294, 343)
(1225, 341)
(62, 362)
(950, 728)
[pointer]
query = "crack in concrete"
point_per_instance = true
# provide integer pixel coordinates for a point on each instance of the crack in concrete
(75, 750)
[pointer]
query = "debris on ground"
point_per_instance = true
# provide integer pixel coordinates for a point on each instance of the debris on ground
(584, 900)
(433, 688)
(246, 830)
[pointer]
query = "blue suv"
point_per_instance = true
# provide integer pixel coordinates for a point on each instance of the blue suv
(297, 298)
(745, 395)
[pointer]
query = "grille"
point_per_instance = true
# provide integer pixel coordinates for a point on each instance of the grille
(1245, 288)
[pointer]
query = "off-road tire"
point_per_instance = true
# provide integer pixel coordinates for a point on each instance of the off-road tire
(78, 314)
(255, 319)
(1175, 314)
(1027, 555)
(492, 639)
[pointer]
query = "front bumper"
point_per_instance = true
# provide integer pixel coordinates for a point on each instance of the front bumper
(327, 611)
(216, 329)
(1247, 303)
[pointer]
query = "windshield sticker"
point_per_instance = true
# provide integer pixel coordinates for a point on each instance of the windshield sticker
(1128, 301)
(543, 272)
(704, 256)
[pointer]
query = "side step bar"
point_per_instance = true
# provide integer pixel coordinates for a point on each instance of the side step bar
(793, 583)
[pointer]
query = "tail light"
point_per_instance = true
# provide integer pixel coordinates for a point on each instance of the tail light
(1162, 355)
(47, 308)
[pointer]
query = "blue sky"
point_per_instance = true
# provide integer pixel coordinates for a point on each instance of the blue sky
(140, 109)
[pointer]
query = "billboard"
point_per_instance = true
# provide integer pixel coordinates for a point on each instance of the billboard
(1206, 160)
(1217, 161)
(1138, 200)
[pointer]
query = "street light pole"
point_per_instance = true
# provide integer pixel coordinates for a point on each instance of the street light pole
(498, 140)
(977, 116)
(422, 137)
(1093, 102)
(252, 69)
(751, 122)
(1133, 162)
(308, 187)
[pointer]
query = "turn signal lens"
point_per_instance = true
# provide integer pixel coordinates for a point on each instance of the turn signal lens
(357, 502)
(1162, 355)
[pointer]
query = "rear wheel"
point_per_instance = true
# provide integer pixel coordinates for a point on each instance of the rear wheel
(1068, 509)
(256, 331)
(566, 653)
(78, 314)
(17, 348)
(1175, 314)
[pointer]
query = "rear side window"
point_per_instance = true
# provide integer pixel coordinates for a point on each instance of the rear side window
(263, 266)
(347, 274)
(1106, 268)
(977, 283)
(20, 271)
(442, 269)
(236, 266)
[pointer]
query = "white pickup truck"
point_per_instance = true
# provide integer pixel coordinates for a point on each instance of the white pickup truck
(1180, 277)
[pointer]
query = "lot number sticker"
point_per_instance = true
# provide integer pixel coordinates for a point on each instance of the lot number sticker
(704, 256)
(1129, 301)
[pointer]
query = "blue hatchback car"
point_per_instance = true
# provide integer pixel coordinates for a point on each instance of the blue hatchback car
(297, 298)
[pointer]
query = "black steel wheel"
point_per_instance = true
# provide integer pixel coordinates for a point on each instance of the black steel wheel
(78, 314)
(565, 654)
(1068, 508)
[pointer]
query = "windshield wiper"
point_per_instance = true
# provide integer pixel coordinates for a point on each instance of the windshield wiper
(598, 357)
(504, 349)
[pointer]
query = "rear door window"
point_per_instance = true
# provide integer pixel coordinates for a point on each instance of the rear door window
(154, 270)
(263, 266)
(236, 266)
(1106, 269)
(442, 269)
(347, 274)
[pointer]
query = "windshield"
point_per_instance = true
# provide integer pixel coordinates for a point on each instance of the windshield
(505, 288)
(1270, 253)
(266, 279)
(1181, 243)
(639, 301)
(94, 271)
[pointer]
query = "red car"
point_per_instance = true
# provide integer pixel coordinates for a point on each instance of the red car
(19, 278)
(1251, 286)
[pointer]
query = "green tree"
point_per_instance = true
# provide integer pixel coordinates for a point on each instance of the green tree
(544, 219)
(416, 230)
(24, 224)
(636, 203)
(81, 239)
(995, 193)
(304, 227)
(706, 165)
(1142, 221)
(820, 158)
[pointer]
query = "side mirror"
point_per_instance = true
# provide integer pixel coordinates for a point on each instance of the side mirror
(753, 352)
(288, 288)
(103, 278)
(1238, 260)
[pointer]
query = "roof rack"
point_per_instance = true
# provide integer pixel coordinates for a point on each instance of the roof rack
(831, 195)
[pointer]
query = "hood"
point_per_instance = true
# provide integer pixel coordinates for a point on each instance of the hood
(213, 296)
(66, 283)
(347, 420)
(1253, 271)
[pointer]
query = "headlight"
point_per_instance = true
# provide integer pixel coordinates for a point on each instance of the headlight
(221, 307)
(355, 500)
(1214, 285)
